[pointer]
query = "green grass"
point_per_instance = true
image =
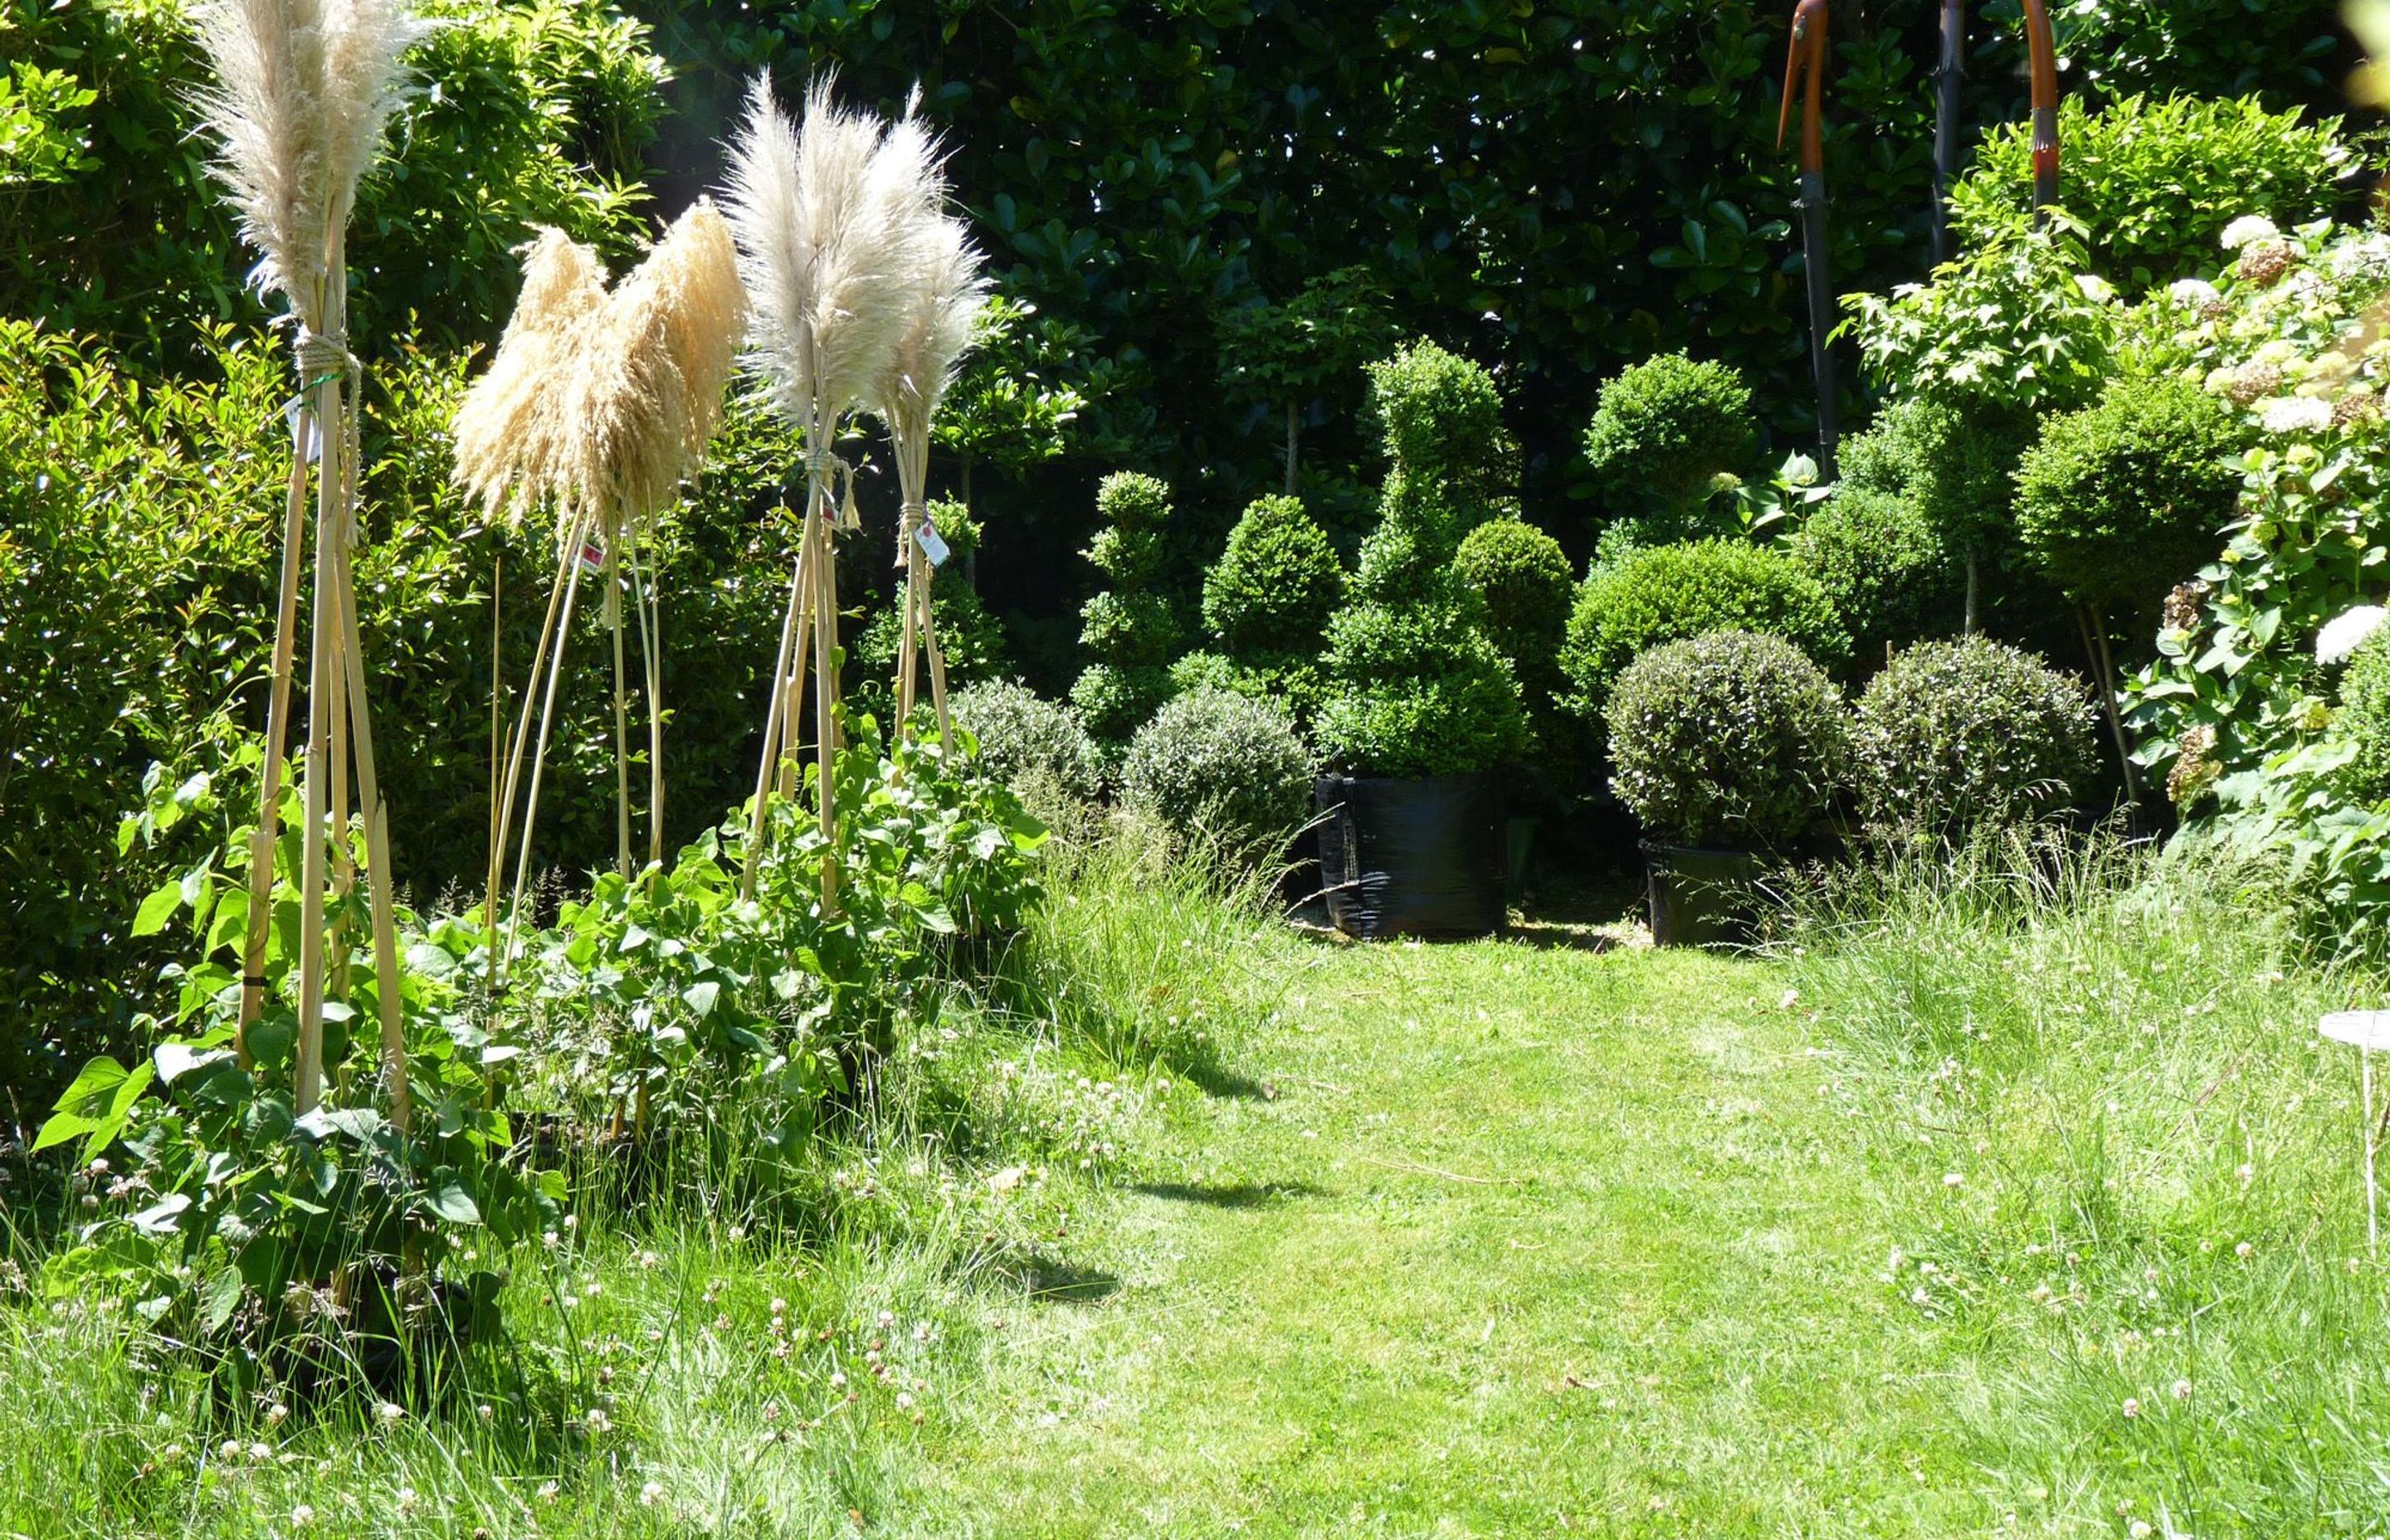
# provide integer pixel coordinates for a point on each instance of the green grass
(1258, 1234)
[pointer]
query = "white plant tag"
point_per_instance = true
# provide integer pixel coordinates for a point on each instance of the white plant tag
(593, 558)
(304, 435)
(933, 544)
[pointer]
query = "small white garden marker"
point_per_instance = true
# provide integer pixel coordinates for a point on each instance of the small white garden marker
(2365, 1031)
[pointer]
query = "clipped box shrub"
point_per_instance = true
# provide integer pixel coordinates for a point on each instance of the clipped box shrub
(1730, 739)
(1129, 627)
(1271, 594)
(1416, 687)
(1029, 743)
(1214, 765)
(2364, 717)
(1890, 578)
(1952, 738)
(1522, 577)
(2119, 501)
(1675, 593)
(1662, 432)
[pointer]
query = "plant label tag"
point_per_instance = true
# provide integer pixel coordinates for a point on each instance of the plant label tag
(933, 544)
(304, 436)
(593, 558)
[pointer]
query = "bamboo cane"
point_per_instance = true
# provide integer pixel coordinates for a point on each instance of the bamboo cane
(570, 549)
(308, 1078)
(387, 983)
(497, 751)
(775, 721)
(277, 735)
(612, 611)
(651, 628)
(546, 728)
(908, 556)
(826, 703)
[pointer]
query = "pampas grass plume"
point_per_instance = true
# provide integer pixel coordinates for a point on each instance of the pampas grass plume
(510, 425)
(824, 227)
(302, 91)
(941, 317)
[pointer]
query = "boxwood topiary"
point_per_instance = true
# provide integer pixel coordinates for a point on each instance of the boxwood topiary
(1028, 741)
(1214, 764)
(1953, 737)
(1521, 576)
(1663, 431)
(2118, 503)
(1269, 595)
(1730, 738)
(1890, 577)
(1130, 629)
(2364, 717)
(1674, 592)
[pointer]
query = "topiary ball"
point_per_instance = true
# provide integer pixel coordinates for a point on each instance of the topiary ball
(2364, 717)
(1269, 596)
(1674, 592)
(2117, 503)
(1664, 429)
(1955, 737)
(1523, 577)
(1890, 577)
(1215, 766)
(1731, 738)
(1029, 743)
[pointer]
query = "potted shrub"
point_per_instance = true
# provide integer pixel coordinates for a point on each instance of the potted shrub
(1726, 746)
(1955, 739)
(1420, 705)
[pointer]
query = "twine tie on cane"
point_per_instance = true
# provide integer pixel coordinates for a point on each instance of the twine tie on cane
(908, 527)
(320, 358)
(827, 471)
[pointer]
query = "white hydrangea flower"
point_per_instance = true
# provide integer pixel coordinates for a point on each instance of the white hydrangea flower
(2344, 633)
(2095, 289)
(2296, 415)
(2247, 229)
(2193, 292)
(2359, 258)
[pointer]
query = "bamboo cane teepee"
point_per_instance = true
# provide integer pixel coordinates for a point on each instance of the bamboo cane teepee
(599, 405)
(301, 95)
(829, 224)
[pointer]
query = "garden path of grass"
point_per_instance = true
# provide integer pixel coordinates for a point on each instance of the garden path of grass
(1519, 1241)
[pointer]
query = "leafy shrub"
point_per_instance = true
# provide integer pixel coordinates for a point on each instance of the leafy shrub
(1214, 764)
(1129, 628)
(1025, 740)
(2364, 718)
(1675, 593)
(2118, 503)
(1268, 597)
(1417, 687)
(1730, 736)
(1955, 737)
(971, 639)
(1663, 430)
(534, 114)
(2154, 182)
(1883, 565)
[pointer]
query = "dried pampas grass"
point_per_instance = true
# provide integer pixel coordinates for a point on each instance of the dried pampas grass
(939, 319)
(302, 91)
(506, 427)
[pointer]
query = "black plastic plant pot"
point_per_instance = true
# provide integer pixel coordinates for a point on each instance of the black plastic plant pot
(1702, 897)
(1412, 857)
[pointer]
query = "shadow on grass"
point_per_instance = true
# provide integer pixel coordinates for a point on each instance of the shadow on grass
(1228, 1195)
(1045, 1278)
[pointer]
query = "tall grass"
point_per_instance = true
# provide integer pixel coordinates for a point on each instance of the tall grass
(2091, 1078)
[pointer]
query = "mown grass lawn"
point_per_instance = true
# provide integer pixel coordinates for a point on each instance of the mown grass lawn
(1509, 1240)
(1988, 1208)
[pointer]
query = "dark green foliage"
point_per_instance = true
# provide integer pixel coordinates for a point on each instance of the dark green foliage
(1417, 687)
(2364, 718)
(1730, 738)
(1522, 577)
(534, 114)
(1890, 577)
(2289, 49)
(1267, 598)
(1675, 593)
(971, 639)
(1665, 431)
(2118, 503)
(1129, 629)
(1212, 764)
(1029, 743)
(1955, 737)
(2154, 183)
